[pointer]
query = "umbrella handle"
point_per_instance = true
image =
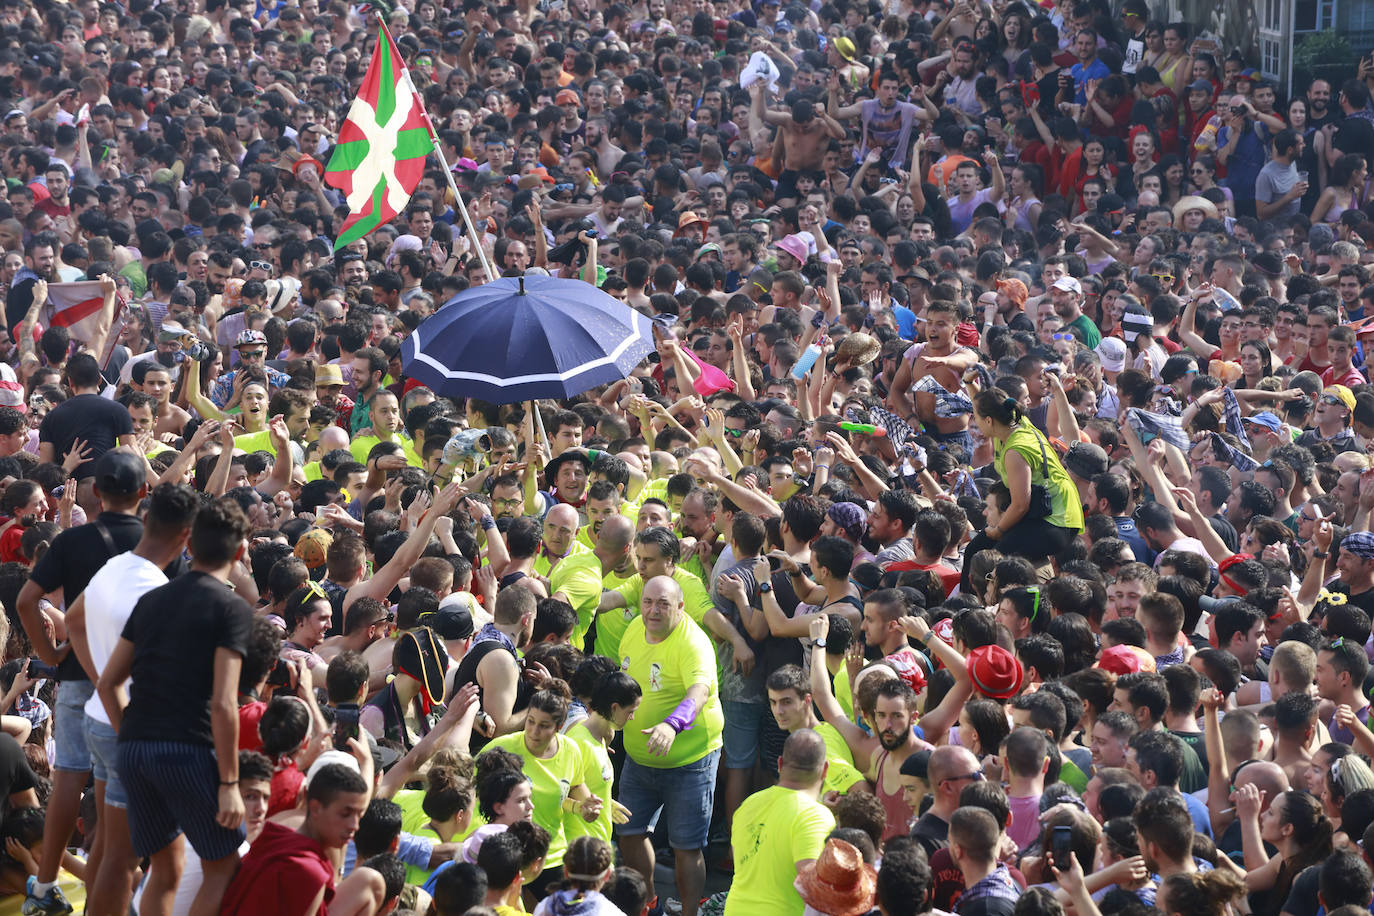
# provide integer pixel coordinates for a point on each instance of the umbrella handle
(539, 430)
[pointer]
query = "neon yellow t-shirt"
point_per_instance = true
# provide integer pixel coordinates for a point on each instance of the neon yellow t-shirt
(361, 446)
(260, 441)
(579, 577)
(842, 775)
(551, 780)
(611, 626)
(541, 562)
(600, 782)
(664, 671)
(773, 830)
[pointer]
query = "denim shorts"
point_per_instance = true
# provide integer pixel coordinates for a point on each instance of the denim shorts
(684, 794)
(69, 727)
(103, 742)
(740, 739)
(173, 788)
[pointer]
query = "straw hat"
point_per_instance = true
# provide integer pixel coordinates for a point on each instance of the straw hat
(839, 882)
(1193, 202)
(858, 349)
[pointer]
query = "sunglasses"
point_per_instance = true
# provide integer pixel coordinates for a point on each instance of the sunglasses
(1062, 336)
(252, 354)
(976, 777)
(1167, 278)
(261, 265)
(262, 246)
(1035, 608)
(735, 433)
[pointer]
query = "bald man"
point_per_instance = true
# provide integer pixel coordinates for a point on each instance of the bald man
(673, 746)
(579, 579)
(951, 768)
(560, 539)
(777, 831)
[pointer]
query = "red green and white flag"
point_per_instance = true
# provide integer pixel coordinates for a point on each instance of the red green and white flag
(380, 157)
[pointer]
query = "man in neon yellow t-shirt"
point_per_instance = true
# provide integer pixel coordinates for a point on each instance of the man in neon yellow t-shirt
(673, 745)
(656, 553)
(789, 698)
(386, 427)
(578, 579)
(779, 830)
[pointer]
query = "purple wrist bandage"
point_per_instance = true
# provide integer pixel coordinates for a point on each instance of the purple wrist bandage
(682, 718)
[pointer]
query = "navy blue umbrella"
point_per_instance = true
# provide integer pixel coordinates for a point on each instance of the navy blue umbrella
(518, 339)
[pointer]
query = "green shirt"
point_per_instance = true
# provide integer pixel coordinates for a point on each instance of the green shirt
(551, 781)
(1065, 509)
(579, 577)
(1086, 331)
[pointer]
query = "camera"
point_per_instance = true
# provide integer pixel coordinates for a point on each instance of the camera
(281, 674)
(200, 352)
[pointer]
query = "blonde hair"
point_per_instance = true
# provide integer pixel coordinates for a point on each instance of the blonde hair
(1296, 662)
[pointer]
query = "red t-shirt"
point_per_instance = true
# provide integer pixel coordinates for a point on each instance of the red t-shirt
(250, 714)
(949, 577)
(282, 873)
(1349, 380)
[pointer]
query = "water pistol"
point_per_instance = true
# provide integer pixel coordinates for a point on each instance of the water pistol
(868, 428)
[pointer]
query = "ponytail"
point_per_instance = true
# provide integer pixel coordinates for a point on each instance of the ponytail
(998, 405)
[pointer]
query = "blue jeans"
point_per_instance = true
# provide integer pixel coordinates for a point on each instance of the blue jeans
(103, 742)
(685, 794)
(743, 733)
(69, 727)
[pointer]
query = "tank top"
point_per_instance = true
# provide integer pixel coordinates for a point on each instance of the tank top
(896, 812)
(467, 674)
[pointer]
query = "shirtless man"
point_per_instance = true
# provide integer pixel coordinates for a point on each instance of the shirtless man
(944, 362)
(170, 418)
(806, 134)
(880, 755)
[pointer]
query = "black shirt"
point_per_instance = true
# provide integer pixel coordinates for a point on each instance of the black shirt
(15, 775)
(931, 831)
(96, 421)
(1354, 134)
(176, 630)
(18, 301)
(74, 557)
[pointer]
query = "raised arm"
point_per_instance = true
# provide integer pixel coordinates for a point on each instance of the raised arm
(1187, 325)
(936, 722)
(824, 697)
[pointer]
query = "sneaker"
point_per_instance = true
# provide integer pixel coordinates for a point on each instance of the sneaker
(672, 907)
(53, 903)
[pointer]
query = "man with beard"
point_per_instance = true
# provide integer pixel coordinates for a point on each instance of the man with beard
(170, 341)
(252, 349)
(1319, 113)
(931, 381)
(352, 272)
(882, 754)
(1067, 294)
(40, 260)
(599, 142)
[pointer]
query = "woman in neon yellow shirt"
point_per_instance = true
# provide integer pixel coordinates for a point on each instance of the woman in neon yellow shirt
(448, 806)
(557, 769)
(613, 703)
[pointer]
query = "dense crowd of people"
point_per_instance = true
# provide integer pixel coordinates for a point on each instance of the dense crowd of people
(988, 532)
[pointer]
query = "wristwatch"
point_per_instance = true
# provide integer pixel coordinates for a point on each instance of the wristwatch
(820, 643)
(765, 587)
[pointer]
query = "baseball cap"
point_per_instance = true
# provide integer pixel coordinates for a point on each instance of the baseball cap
(1112, 352)
(1086, 460)
(1068, 284)
(1121, 660)
(452, 622)
(331, 757)
(313, 547)
(119, 473)
(250, 337)
(1016, 290)
(566, 97)
(1200, 86)
(1266, 419)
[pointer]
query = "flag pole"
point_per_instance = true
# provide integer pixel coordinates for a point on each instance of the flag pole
(439, 152)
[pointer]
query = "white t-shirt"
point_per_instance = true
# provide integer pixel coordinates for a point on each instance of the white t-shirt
(110, 599)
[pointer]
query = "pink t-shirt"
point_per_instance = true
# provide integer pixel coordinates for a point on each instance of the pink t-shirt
(1025, 820)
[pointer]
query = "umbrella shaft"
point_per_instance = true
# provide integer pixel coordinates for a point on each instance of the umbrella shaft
(462, 208)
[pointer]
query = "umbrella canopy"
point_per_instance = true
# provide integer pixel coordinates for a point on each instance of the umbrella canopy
(518, 339)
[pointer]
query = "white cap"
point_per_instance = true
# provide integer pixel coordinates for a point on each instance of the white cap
(328, 757)
(1068, 284)
(1112, 352)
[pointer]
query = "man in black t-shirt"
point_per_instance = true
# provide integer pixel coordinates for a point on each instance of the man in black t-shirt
(183, 646)
(120, 481)
(98, 423)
